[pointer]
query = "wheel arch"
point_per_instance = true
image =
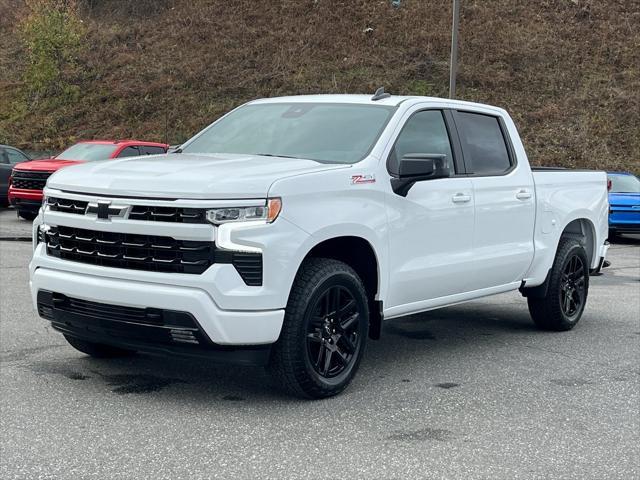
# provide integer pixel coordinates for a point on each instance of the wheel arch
(360, 254)
(583, 230)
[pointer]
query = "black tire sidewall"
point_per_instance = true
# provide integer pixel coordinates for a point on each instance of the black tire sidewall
(29, 216)
(290, 364)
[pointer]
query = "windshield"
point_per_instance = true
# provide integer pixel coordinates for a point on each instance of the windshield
(87, 152)
(624, 184)
(334, 133)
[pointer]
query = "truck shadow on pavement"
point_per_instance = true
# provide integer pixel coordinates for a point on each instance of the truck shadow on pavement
(408, 344)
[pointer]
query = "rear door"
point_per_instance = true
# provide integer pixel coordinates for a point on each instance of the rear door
(504, 196)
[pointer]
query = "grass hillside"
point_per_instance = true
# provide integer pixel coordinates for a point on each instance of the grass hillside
(567, 70)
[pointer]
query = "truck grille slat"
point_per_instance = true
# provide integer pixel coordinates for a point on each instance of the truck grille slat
(168, 214)
(66, 205)
(137, 212)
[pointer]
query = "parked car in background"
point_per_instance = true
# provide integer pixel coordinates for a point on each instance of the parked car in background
(624, 203)
(28, 179)
(9, 156)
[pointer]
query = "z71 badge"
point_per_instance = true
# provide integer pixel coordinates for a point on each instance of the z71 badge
(360, 179)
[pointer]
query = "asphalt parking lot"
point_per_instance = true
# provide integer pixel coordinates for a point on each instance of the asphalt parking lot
(472, 391)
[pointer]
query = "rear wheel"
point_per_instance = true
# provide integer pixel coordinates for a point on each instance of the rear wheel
(562, 306)
(27, 215)
(324, 332)
(97, 350)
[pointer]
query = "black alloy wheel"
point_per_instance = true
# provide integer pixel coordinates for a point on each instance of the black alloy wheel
(333, 340)
(573, 287)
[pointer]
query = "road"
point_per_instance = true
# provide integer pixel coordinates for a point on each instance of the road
(12, 227)
(472, 391)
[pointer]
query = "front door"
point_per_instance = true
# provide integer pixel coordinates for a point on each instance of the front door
(431, 229)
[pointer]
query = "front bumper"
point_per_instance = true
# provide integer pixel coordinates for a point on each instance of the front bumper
(222, 327)
(621, 227)
(230, 313)
(30, 200)
(149, 330)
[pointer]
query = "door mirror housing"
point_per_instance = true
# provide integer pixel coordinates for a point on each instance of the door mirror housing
(416, 167)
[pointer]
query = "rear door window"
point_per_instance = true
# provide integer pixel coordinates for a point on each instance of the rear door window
(15, 156)
(483, 143)
(151, 150)
(129, 152)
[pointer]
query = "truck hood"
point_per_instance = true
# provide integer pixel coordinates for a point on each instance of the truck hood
(188, 176)
(45, 165)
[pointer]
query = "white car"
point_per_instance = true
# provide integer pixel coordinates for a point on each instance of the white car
(285, 232)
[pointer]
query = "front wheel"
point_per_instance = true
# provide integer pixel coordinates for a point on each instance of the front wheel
(562, 306)
(31, 216)
(324, 332)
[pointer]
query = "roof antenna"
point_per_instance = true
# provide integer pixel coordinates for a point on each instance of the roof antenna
(380, 94)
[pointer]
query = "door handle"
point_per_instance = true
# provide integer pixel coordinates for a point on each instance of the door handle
(523, 195)
(461, 198)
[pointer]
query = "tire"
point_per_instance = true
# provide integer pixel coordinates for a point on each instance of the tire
(612, 235)
(562, 306)
(4, 203)
(31, 216)
(324, 332)
(97, 350)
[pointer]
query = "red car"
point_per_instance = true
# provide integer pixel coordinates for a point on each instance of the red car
(29, 178)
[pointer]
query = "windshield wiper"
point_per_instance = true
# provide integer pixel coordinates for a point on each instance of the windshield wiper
(274, 155)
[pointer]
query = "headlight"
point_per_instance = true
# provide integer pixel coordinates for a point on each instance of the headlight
(267, 213)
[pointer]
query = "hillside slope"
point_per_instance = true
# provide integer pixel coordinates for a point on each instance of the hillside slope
(568, 70)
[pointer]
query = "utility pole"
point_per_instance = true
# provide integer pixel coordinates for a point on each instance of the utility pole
(453, 69)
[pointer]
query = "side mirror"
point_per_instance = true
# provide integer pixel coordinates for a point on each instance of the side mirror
(416, 167)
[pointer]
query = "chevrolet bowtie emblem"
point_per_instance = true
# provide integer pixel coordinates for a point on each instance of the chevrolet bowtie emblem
(104, 210)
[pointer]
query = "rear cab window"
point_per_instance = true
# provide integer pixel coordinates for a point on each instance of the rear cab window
(484, 144)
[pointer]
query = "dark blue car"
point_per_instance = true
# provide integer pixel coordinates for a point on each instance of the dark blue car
(624, 203)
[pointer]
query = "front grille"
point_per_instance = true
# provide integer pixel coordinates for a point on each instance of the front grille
(168, 214)
(124, 250)
(29, 180)
(67, 205)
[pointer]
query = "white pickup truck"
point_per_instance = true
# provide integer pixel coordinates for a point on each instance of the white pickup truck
(285, 233)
